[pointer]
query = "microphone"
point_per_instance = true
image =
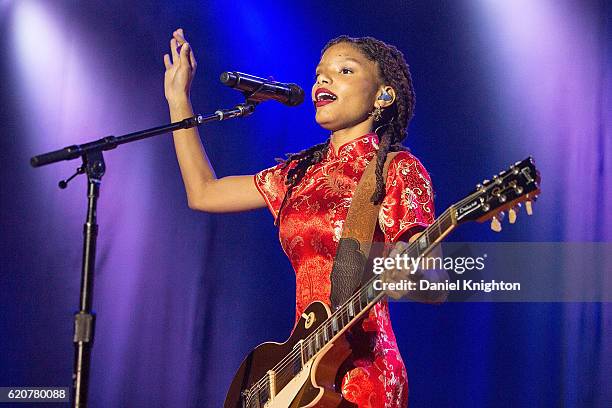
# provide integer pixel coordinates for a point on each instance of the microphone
(259, 89)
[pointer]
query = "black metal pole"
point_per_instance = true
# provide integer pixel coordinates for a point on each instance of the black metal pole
(110, 142)
(84, 320)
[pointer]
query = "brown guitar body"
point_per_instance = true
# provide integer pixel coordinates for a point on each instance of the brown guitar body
(314, 387)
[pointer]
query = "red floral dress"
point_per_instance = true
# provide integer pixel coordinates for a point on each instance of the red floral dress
(310, 228)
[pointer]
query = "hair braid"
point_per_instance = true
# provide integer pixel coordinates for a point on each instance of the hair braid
(304, 159)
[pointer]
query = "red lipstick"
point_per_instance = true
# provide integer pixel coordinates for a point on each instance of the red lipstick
(324, 96)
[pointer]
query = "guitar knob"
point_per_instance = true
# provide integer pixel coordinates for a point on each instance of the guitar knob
(502, 198)
(496, 225)
(512, 216)
(518, 189)
(486, 207)
(528, 207)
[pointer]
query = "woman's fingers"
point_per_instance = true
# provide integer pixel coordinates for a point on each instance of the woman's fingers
(181, 51)
(175, 54)
(192, 59)
(179, 35)
(184, 55)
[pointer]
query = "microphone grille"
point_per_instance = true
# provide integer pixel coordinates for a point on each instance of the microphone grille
(297, 95)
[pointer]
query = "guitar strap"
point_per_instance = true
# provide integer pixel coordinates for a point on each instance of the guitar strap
(356, 241)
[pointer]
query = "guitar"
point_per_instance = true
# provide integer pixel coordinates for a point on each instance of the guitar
(301, 371)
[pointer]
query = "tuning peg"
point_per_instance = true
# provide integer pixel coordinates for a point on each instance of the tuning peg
(528, 207)
(512, 215)
(496, 225)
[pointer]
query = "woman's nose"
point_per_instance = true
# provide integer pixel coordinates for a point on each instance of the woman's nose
(323, 79)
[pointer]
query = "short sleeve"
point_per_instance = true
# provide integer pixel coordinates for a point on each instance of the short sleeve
(271, 185)
(408, 203)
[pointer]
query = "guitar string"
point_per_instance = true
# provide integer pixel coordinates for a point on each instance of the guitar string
(443, 217)
(290, 358)
(343, 311)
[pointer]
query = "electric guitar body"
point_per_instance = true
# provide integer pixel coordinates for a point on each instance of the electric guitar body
(312, 386)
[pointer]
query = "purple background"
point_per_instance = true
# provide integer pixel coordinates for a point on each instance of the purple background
(182, 296)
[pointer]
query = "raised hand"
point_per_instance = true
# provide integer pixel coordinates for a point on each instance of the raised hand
(180, 69)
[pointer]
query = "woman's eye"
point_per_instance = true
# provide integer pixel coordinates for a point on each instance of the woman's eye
(346, 71)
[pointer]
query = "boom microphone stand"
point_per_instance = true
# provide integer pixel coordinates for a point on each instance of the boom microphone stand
(94, 166)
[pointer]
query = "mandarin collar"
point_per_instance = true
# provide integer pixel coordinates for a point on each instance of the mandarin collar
(357, 147)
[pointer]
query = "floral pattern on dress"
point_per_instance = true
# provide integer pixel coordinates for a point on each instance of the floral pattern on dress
(310, 228)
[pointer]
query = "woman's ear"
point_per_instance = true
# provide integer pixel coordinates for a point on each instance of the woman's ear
(386, 96)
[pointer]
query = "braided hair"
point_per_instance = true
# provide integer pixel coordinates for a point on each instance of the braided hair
(394, 72)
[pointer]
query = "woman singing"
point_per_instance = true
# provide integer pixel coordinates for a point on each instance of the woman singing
(363, 95)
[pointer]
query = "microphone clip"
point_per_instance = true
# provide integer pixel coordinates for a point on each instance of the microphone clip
(251, 96)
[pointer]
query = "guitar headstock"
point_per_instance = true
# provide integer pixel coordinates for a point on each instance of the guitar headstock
(507, 191)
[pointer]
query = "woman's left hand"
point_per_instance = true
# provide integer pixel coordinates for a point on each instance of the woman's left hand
(398, 275)
(180, 69)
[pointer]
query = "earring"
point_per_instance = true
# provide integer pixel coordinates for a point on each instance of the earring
(376, 113)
